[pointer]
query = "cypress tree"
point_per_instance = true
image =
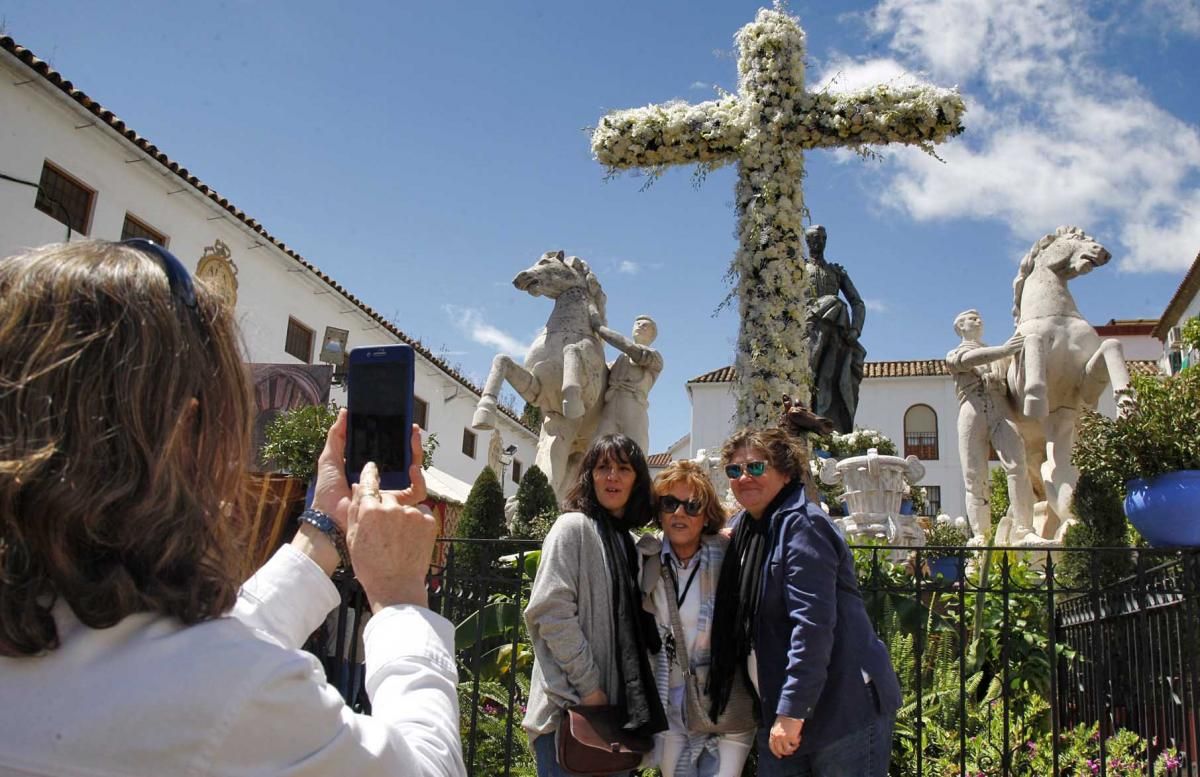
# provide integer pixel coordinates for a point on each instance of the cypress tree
(482, 518)
(537, 507)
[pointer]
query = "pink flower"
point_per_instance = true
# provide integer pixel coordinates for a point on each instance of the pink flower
(1094, 765)
(1172, 762)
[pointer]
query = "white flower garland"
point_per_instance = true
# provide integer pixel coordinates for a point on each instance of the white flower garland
(765, 128)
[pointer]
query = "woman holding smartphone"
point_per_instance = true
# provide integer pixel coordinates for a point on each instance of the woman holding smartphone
(591, 637)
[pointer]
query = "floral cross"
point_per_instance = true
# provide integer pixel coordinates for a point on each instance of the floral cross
(765, 128)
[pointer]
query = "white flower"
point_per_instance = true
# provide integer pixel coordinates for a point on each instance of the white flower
(764, 128)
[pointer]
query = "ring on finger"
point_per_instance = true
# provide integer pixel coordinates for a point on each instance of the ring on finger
(372, 492)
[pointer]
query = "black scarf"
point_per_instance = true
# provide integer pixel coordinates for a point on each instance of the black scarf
(739, 589)
(636, 635)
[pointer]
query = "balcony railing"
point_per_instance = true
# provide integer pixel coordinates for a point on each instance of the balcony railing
(923, 445)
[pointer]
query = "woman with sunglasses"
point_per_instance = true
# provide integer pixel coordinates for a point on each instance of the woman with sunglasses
(680, 575)
(788, 608)
(591, 637)
(126, 645)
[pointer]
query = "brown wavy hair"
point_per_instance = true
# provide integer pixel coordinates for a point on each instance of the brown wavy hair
(692, 475)
(783, 452)
(124, 433)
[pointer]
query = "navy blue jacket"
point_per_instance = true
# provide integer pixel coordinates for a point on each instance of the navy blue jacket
(812, 635)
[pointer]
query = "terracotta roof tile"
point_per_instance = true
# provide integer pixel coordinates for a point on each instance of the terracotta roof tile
(913, 368)
(27, 57)
(658, 459)
(719, 375)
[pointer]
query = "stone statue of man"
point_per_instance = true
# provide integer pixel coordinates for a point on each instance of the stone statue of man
(985, 415)
(833, 327)
(630, 378)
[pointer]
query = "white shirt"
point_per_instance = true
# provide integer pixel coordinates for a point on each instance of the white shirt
(235, 695)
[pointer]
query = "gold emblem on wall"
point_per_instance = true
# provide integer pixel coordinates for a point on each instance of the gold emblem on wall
(217, 269)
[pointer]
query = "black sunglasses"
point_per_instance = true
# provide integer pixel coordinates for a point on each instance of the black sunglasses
(669, 504)
(178, 278)
(752, 468)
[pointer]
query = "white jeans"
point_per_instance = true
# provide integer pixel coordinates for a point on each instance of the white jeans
(732, 751)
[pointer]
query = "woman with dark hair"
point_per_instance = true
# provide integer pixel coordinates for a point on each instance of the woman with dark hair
(591, 637)
(789, 610)
(126, 645)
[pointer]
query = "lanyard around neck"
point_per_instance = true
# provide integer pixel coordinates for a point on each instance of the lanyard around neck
(679, 597)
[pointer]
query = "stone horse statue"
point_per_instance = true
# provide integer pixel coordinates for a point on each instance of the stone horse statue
(564, 373)
(1063, 367)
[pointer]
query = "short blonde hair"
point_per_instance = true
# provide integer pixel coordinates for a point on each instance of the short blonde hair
(692, 475)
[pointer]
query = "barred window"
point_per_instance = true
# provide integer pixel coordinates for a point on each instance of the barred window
(933, 500)
(921, 433)
(65, 199)
(468, 446)
(299, 342)
(516, 466)
(134, 227)
(420, 412)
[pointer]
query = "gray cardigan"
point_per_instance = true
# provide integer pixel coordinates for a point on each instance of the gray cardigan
(570, 621)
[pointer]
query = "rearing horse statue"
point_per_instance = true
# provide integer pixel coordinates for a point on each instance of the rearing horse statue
(564, 373)
(1064, 365)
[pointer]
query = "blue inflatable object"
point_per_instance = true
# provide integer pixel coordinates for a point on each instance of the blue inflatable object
(1166, 509)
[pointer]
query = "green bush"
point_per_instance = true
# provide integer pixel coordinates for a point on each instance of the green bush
(537, 507)
(482, 518)
(295, 439)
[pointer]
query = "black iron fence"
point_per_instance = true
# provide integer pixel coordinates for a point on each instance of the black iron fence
(1011, 662)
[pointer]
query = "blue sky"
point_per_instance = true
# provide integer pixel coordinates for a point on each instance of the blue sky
(423, 154)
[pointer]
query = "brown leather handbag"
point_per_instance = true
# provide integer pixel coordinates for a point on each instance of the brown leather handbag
(591, 742)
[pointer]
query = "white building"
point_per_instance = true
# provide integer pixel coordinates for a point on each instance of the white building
(70, 168)
(912, 402)
(1184, 304)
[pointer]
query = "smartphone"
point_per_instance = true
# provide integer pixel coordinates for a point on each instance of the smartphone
(379, 383)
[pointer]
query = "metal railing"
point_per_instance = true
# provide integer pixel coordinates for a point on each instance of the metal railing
(1011, 662)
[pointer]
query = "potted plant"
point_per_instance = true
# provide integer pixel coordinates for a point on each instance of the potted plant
(944, 543)
(295, 439)
(1152, 457)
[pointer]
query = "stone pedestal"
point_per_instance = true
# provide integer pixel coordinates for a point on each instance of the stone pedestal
(874, 487)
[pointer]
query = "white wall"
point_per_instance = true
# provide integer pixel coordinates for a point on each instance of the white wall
(882, 403)
(39, 123)
(713, 416)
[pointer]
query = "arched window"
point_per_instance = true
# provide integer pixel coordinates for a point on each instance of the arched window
(921, 433)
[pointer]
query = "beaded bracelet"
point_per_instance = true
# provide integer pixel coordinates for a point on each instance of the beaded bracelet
(326, 526)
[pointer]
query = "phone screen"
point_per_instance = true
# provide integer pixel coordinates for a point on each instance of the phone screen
(380, 430)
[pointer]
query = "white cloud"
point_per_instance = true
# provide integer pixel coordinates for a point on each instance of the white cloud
(1053, 136)
(1175, 16)
(471, 322)
(876, 305)
(846, 75)
(700, 86)
(628, 268)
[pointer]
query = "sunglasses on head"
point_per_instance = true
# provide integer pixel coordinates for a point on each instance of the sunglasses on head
(751, 468)
(669, 504)
(178, 280)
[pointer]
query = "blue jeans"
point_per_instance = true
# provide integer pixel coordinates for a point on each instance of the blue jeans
(546, 755)
(862, 753)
